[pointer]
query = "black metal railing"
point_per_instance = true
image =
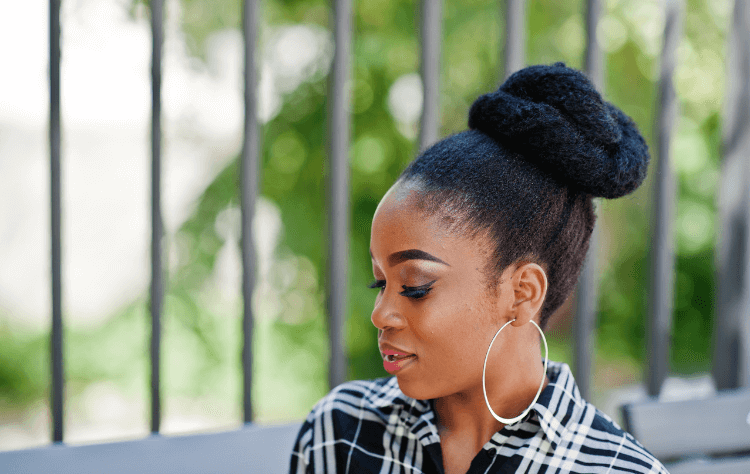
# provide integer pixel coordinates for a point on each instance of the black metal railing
(56, 342)
(664, 199)
(249, 170)
(731, 366)
(157, 225)
(338, 189)
(587, 289)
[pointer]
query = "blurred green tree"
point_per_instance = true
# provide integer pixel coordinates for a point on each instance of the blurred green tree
(290, 339)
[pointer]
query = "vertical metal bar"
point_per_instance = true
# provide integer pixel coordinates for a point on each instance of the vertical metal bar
(587, 290)
(731, 368)
(515, 36)
(594, 56)
(431, 30)
(249, 170)
(338, 189)
(586, 300)
(56, 339)
(157, 228)
(662, 250)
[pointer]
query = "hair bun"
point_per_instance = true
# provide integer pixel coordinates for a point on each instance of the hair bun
(554, 117)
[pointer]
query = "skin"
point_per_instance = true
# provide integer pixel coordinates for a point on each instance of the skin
(450, 328)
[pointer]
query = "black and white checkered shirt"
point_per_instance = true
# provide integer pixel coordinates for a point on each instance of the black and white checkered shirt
(372, 427)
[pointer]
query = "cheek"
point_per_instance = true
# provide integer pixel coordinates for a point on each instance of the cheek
(456, 324)
(474, 330)
(472, 313)
(455, 332)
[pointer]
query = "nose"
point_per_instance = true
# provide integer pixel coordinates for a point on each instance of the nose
(386, 314)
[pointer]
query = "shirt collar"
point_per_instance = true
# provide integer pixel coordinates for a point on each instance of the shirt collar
(559, 402)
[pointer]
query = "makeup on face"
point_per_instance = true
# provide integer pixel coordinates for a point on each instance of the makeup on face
(417, 272)
(431, 304)
(396, 359)
(409, 291)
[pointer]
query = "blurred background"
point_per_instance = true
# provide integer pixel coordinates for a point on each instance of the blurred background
(106, 182)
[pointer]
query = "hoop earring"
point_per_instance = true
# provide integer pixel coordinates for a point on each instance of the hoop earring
(509, 421)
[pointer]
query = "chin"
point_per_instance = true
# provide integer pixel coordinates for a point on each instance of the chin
(418, 390)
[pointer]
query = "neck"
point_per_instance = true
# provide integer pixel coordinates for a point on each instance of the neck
(465, 414)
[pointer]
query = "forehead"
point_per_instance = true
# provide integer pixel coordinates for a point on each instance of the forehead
(399, 218)
(401, 222)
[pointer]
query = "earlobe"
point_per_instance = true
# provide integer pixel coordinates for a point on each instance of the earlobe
(530, 288)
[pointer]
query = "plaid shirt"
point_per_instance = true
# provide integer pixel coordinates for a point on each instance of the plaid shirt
(372, 427)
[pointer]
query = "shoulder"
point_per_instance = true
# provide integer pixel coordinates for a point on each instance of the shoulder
(611, 449)
(583, 437)
(354, 413)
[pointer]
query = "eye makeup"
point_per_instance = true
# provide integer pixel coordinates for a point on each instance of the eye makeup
(417, 292)
(377, 284)
(414, 292)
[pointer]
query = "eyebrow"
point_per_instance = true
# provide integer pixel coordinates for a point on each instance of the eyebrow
(412, 254)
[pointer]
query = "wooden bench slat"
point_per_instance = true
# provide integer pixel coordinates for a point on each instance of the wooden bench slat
(261, 449)
(673, 429)
(717, 466)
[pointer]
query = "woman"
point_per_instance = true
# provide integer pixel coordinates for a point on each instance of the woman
(479, 241)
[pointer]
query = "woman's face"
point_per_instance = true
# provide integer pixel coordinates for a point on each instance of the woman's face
(434, 310)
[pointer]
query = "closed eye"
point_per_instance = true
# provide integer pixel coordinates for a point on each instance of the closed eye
(417, 292)
(377, 284)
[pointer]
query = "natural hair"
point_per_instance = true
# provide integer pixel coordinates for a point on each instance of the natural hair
(538, 150)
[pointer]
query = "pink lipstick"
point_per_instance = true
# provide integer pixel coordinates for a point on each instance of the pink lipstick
(394, 361)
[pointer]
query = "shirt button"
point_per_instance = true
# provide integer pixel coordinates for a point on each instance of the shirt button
(491, 452)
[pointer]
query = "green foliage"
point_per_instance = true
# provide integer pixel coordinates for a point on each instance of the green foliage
(23, 367)
(202, 340)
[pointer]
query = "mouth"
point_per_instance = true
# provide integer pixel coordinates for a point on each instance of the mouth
(394, 361)
(395, 356)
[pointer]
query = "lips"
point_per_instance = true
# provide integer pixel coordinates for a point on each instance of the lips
(394, 356)
(395, 360)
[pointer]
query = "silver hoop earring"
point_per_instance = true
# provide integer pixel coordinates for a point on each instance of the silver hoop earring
(499, 418)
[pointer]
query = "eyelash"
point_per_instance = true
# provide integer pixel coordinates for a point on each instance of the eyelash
(414, 292)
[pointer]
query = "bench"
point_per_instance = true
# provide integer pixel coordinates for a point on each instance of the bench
(703, 436)
(251, 449)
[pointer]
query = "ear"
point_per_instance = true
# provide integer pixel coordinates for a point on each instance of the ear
(529, 282)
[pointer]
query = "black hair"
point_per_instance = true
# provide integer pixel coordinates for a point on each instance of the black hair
(538, 150)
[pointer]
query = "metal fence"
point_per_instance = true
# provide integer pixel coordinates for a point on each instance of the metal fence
(732, 367)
